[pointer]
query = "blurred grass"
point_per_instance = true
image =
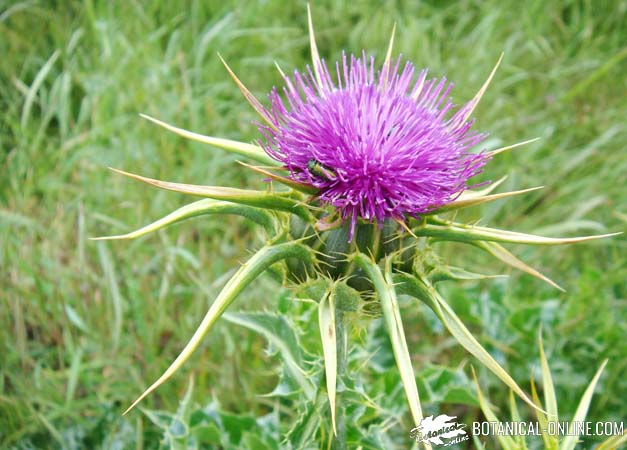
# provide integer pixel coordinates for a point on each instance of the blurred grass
(86, 326)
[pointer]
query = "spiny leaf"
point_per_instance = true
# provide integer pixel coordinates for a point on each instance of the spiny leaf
(387, 296)
(582, 410)
(422, 290)
(279, 332)
(259, 199)
(251, 151)
(465, 202)
(199, 208)
(257, 106)
(263, 259)
(499, 252)
(326, 323)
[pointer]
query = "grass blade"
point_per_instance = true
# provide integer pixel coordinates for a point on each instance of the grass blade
(263, 259)
(582, 410)
(550, 402)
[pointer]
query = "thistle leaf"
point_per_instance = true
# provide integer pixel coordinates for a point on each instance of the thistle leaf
(384, 288)
(453, 231)
(280, 334)
(499, 252)
(263, 259)
(326, 322)
(251, 151)
(199, 208)
(422, 290)
(465, 202)
(259, 199)
(582, 410)
(506, 441)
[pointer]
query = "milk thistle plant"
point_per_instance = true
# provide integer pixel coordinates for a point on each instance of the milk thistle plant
(365, 165)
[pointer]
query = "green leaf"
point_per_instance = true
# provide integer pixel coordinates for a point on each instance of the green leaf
(570, 441)
(251, 151)
(199, 208)
(259, 199)
(326, 322)
(422, 290)
(277, 330)
(384, 288)
(263, 259)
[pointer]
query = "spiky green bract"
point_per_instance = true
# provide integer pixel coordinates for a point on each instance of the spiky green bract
(200, 208)
(548, 413)
(384, 287)
(256, 265)
(423, 290)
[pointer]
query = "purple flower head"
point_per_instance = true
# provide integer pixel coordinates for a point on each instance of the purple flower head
(376, 146)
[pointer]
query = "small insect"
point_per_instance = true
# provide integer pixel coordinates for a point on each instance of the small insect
(320, 171)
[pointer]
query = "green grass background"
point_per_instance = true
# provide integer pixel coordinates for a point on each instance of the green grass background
(85, 326)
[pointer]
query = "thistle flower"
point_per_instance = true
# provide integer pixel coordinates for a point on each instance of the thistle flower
(374, 147)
